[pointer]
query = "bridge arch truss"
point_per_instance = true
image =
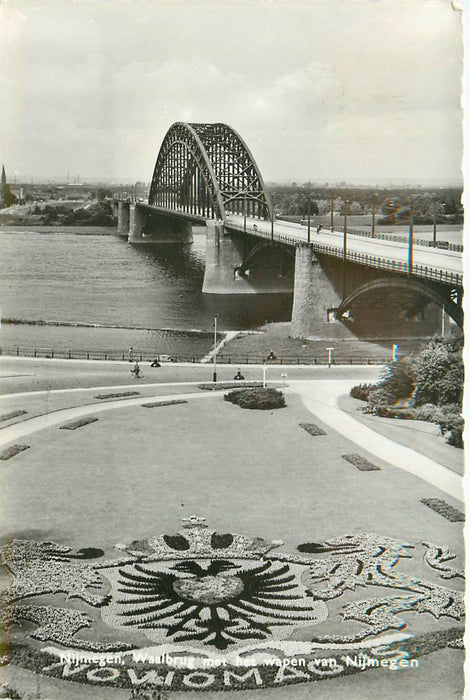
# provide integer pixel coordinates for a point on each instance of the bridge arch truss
(207, 171)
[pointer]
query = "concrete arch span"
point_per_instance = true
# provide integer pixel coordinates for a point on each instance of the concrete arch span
(428, 291)
(266, 254)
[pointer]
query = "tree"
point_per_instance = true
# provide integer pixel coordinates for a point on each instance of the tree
(439, 372)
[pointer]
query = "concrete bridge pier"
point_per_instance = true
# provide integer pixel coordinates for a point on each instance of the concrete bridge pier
(314, 295)
(137, 222)
(123, 218)
(223, 256)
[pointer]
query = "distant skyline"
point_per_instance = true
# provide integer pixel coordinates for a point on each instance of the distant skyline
(363, 91)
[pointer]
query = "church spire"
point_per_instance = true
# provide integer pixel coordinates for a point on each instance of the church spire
(4, 176)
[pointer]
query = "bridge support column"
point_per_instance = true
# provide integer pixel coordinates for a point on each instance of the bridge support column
(314, 294)
(137, 221)
(163, 228)
(223, 257)
(445, 323)
(123, 217)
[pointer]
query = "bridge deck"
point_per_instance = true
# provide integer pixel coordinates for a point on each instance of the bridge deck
(430, 263)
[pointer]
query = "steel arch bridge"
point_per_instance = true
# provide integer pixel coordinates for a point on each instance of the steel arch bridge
(207, 171)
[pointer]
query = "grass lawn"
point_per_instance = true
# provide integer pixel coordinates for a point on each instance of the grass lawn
(136, 472)
(419, 435)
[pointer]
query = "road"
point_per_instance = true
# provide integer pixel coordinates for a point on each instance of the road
(435, 258)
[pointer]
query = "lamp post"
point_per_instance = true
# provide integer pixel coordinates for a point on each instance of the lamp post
(374, 201)
(244, 214)
(307, 197)
(214, 375)
(345, 234)
(332, 225)
(434, 215)
(330, 356)
(410, 239)
(272, 216)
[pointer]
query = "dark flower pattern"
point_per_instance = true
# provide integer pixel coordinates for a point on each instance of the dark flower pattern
(214, 602)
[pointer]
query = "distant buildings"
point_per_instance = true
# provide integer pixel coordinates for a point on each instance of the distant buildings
(7, 198)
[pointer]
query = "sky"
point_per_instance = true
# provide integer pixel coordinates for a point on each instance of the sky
(324, 90)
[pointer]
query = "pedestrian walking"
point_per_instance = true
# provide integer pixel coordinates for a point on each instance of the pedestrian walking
(131, 354)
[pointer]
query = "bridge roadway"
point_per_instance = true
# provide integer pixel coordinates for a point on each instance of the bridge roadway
(434, 263)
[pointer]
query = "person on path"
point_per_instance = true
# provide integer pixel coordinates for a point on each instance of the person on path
(131, 354)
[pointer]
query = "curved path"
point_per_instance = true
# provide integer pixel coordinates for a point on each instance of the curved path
(47, 420)
(319, 397)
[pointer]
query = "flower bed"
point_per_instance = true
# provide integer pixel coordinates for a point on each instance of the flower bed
(444, 509)
(78, 423)
(155, 404)
(12, 414)
(361, 463)
(12, 451)
(216, 386)
(117, 395)
(259, 398)
(312, 429)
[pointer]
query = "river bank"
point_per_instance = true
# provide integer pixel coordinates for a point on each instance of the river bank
(254, 346)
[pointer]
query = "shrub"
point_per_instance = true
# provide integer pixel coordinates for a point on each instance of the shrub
(427, 412)
(385, 411)
(259, 398)
(397, 382)
(439, 372)
(451, 426)
(362, 391)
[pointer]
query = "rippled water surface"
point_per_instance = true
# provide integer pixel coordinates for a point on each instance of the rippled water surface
(50, 274)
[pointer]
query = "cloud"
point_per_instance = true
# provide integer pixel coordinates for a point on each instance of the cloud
(327, 89)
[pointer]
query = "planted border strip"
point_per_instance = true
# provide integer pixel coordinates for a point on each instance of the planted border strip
(312, 429)
(12, 451)
(361, 463)
(13, 414)
(117, 396)
(73, 425)
(163, 403)
(216, 386)
(444, 509)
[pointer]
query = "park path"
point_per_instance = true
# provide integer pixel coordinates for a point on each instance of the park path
(321, 398)
(47, 420)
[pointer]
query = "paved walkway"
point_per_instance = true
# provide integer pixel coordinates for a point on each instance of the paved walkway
(321, 397)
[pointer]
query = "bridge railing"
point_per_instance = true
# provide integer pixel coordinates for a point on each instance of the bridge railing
(279, 237)
(399, 266)
(444, 245)
(381, 263)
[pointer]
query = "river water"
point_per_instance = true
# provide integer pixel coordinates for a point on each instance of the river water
(145, 296)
